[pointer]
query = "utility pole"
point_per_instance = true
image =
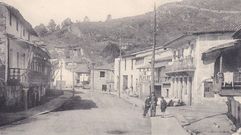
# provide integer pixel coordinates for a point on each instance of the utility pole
(93, 76)
(72, 48)
(119, 83)
(153, 54)
(61, 74)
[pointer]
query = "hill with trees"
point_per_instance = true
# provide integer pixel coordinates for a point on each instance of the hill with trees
(102, 40)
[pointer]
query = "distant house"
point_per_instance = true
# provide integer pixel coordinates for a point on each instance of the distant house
(102, 78)
(24, 63)
(63, 75)
(82, 74)
(135, 73)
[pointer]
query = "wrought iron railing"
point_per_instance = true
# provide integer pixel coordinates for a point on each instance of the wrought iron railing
(184, 64)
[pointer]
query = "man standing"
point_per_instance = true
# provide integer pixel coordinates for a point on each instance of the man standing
(153, 104)
(147, 105)
(163, 106)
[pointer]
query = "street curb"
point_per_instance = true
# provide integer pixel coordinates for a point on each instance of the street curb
(30, 116)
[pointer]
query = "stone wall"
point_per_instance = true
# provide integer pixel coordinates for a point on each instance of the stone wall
(13, 97)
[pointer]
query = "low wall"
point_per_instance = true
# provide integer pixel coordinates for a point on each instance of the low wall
(234, 110)
(13, 97)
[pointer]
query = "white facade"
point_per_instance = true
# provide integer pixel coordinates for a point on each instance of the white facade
(102, 80)
(63, 75)
(190, 75)
(131, 81)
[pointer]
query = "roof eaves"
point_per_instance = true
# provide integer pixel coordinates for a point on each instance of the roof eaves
(16, 13)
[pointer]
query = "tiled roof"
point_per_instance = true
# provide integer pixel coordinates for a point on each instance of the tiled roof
(16, 13)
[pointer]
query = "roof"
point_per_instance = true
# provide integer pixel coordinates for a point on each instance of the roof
(82, 68)
(105, 67)
(39, 50)
(148, 49)
(217, 50)
(16, 13)
(167, 58)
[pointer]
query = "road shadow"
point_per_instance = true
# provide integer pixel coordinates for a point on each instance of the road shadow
(76, 103)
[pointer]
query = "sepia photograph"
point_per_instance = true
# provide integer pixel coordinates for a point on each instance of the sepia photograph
(120, 67)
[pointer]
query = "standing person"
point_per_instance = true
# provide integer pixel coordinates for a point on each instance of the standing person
(147, 105)
(163, 106)
(153, 104)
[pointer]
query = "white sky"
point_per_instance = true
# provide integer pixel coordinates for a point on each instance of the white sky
(41, 11)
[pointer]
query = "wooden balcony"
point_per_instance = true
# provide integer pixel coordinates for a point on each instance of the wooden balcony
(229, 84)
(17, 76)
(162, 80)
(184, 65)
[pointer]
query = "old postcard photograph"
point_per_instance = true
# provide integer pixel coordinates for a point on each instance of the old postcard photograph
(120, 67)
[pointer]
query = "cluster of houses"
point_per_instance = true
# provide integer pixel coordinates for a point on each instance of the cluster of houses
(25, 69)
(193, 68)
(196, 67)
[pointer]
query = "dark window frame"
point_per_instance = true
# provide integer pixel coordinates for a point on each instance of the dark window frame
(17, 24)
(10, 18)
(102, 74)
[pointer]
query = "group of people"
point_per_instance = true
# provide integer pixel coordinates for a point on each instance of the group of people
(151, 103)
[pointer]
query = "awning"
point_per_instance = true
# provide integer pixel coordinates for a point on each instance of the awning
(214, 52)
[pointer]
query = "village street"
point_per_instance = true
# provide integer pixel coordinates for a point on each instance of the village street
(87, 114)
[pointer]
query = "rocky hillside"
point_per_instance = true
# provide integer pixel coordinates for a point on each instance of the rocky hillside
(100, 40)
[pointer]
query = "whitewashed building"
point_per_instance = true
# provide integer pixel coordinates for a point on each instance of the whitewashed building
(135, 78)
(191, 76)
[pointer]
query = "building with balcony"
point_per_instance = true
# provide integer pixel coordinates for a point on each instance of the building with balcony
(192, 77)
(25, 66)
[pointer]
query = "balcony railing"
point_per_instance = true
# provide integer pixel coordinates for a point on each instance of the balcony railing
(228, 84)
(185, 64)
(16, 76)
(162, 80)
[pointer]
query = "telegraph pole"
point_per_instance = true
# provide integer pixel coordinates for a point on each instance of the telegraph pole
(119, 89)
(72, 48)
(153, 54)
(61, 74)
(93, 76)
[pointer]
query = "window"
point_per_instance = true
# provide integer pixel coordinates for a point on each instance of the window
(10, 57)
(131, 64)
(125, 64)
(18, 59)
(29, 37)
(10, 19)
(104, 87)
(139, 61)
(24, 32)
(16, 24)
(102, 74)
(131, 80)
(24, 59)
(175, 55)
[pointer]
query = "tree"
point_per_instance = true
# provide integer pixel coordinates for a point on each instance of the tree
(108, 18)
(57, 28)
(51, 26)
(86, 19)
(41, 30)
(66, 22)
